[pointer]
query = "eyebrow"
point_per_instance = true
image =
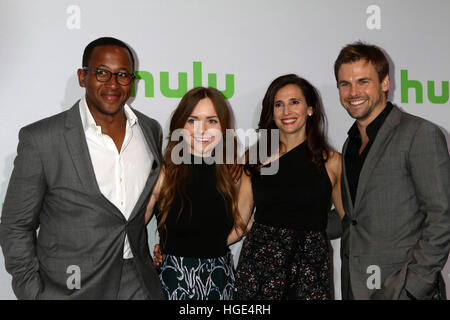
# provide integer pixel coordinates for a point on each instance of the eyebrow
(359, 79)
(290, 99)
(209, 117)
(105, 66)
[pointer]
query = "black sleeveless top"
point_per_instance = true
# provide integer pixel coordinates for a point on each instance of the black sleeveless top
(201, 232)
(297, 197)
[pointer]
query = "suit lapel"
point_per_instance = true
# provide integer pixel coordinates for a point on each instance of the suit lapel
(154, 149)
(345, 189)
(376, 152)
(78, 149)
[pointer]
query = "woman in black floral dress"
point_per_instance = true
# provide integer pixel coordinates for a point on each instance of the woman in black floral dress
(286, 252)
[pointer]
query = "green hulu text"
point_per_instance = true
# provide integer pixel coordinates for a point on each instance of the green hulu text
(417, 88)
(166, 91)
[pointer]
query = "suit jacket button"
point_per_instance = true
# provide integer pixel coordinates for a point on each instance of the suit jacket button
(354, 222)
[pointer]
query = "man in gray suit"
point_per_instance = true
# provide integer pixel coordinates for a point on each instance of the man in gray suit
(83, 178)
(395, 188)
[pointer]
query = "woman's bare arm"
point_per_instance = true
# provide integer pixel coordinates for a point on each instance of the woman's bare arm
(334, 168)
(245, 206)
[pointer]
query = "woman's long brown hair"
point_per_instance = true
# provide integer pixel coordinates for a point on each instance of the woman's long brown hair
(177, 175)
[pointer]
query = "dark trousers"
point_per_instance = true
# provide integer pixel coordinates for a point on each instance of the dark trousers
(131, 287)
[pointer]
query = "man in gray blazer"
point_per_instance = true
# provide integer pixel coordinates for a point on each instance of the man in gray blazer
(395, 188)
(83, 178)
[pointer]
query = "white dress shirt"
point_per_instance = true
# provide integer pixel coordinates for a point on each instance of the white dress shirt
(121, 176)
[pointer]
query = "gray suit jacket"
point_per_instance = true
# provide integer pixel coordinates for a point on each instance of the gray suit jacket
(53, 188)
(400, 222)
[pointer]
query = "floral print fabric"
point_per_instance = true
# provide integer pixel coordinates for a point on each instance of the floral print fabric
(280, 263)
(186, 278)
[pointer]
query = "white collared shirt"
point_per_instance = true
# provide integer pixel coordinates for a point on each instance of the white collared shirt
(121, 176)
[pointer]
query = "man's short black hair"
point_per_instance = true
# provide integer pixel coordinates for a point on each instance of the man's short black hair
(104, 41)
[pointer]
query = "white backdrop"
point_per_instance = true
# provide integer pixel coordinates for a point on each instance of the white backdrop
(253, 40)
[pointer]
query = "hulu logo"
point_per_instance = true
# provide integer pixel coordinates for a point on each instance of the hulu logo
(182, 82)
(407, 84)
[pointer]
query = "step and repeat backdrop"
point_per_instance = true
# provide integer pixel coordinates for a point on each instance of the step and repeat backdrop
(238, 46)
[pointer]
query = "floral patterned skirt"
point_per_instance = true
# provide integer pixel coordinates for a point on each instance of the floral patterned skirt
(185, 278)
(279, 264)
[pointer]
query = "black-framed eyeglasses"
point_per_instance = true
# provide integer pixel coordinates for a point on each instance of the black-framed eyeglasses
(102, 75)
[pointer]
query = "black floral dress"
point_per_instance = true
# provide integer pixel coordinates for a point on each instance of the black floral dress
(286, 253)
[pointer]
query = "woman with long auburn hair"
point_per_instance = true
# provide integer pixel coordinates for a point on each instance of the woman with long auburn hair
(196, 201)
(286, 252)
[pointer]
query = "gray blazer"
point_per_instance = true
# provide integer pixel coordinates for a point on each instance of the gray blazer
(53, 188)
(400, 222)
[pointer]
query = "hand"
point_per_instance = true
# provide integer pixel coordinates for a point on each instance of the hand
(236, 171)
(157, 255)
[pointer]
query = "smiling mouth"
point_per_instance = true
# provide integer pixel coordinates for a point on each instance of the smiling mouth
(356, 103)
(111, 96)
(202, 139)
(288, 121)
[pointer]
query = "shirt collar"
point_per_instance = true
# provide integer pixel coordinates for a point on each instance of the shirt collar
(373, 128)
(89, 123)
